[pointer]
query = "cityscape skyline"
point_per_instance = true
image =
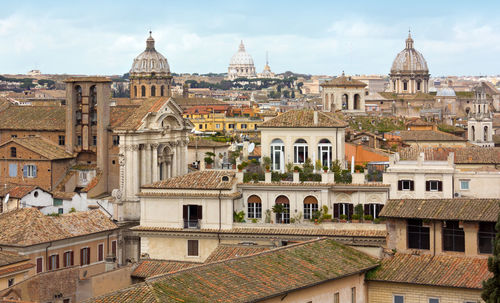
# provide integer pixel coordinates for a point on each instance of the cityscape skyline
(321, 38)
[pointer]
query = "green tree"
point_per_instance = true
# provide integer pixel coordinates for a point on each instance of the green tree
(491, 287)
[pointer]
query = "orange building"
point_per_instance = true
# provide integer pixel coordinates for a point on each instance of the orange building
(364, 154)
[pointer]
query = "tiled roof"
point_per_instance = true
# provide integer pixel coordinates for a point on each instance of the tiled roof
(427, 135)
(118, 114)
(43, 147)
(188, 102)
(38, 228)
(463, 155)
(303, 118)
(190, 194)
(313, 184)
(33, 118)
(137, 293)
(441, 270)
(344, 81)
(443, 209)
(16, 191)
(88, 79)
(255, 277)
(290, 231)
(150, 268)
(419, 122)
(16, 268)
(63, 195)
(7, 258)
(135, 118)
(206, 143)
(229, 251)
(207, 179)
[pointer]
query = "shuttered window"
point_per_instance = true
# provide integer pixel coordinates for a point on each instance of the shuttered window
(434, 185)
(113, 248)
(406, 185)
(100, 252)
(68, 259)
(39, 265)
(85, 256)
(53, 262)
(193, 248)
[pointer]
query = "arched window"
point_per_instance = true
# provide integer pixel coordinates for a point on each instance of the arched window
(405, 85)
(93, 104)
(310, 206)
(418, 85)
(284, 216)
(254, 207)
(485, 135)
(345, 101)
(300, 151)
(325, 152)
(394, 84)
(357, 101)
(278, 155)
(143, 91)
(153, 91)
(162, 90)
(473, 131)
(13, 152)
(135, 91)
(467, 110)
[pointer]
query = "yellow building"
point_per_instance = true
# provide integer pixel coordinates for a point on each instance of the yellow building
(14, 268)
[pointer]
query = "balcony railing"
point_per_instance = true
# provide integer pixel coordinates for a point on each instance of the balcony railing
(195, 224)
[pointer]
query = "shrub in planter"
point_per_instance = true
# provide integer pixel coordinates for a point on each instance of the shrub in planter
(240, 167)
(376, 220)
(368, 218)
(343, 218)
(325, 169)
(355, 218)
(296, 169)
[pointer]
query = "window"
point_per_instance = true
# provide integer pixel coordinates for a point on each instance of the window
(418, 85)
(336, 298)
(433, 300)
(85, 256)
(217, 125)
(325, 152)
(13, 136)
(243, 126)
(12, 170)
(116, 140)
(405, 85)
(254, 207)
(143, 91)
(277, 155)
(10, 282)
(343, 209)
(433, 185)
(13, 152)
(62, 140)
(39, 265)
(68, 259)
(464, 184)
(373, 209)
(231, 126)
(453, 236)
(486, 236)
(193, 248)
(418, 235)
(29, 171)
(310, 206)
(57, 202)
(300, 150)
(200, 126)
(53, 262)
(94, 140)
(113, 248)
(283, 217)
(60, 211)
(406, 185)
(100, 252)
(78, 140)
(398, 299)
(353, 295)
(192, 214)
(153, 91)
(135, 91)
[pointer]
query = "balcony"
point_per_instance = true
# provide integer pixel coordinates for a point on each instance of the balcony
(193, 224)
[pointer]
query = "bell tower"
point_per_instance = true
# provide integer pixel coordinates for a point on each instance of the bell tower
(480, 123)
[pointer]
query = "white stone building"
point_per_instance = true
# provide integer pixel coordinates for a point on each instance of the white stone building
(480, 123)
(241, 65)
(344, 94)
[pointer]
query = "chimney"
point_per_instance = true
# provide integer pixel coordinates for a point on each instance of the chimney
(109, 263)
(315, 118)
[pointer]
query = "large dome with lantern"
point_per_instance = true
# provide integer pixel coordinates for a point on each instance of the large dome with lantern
(241, 64)
(150, 60)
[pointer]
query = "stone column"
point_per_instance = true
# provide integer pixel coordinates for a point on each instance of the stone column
(174, 160)
(148, 164)
(154, 150)
(144, 170)
(135, 171)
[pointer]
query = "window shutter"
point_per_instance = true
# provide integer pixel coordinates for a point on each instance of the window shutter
(81, 257)
(427, 185)
(25, 171)
(351, 210)
(39, 265)
(336, 210)
(57, 261)
(34, 171)
(185, 212)
(113, 248)
(72, 258)
(400, 185)
(49, 263)
(412, 186)
(100, 252)
(199, 212)
(367, 209)
(88, 255)
(379, 208)
(440, 185)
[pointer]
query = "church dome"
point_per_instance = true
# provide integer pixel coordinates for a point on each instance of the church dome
(409, 60)
(150, 61)
(241, 57)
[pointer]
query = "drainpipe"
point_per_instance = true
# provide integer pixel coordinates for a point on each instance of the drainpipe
(220, 215)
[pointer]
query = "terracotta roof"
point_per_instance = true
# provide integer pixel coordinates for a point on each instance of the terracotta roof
(255, 277)
(39, 228)
(229, 251)
(17, 268)
(188, 102)
(137, 115)
(88, 79)
(427, 135)
(33, 118)
(63, 195)
(315, 184)
(190, 194)
(206, 143)
(118, 114)
(207, 179)
(289, 231)
(304, 118)
(137, 293)
(419, 122)
(344, 81)
(150, 268)
(4, 104)
(443, 209)
(7, 258)
(16, 191)
(441, 270)
(42, 146)
(463, 155)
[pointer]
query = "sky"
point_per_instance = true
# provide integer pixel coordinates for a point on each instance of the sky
(312, 37)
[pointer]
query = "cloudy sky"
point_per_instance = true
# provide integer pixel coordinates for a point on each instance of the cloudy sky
(315, 37)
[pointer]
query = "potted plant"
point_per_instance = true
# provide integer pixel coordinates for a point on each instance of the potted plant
(355, 218)
(325, 169)
(278, 209)
(240, 167)
(358, 211)
(343, 218)
(267, 163)
(318, 165)
(268, 168)
(296, 169)
(368, 218)
(376, 221)
(209, 159)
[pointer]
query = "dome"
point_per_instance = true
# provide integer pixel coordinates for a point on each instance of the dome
(409, 60)
(241, 57)
(445, 92)
(150, 61)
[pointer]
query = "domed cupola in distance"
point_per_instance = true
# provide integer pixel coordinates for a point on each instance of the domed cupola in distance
(241, 65)
(150, 73)
(409, 72)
